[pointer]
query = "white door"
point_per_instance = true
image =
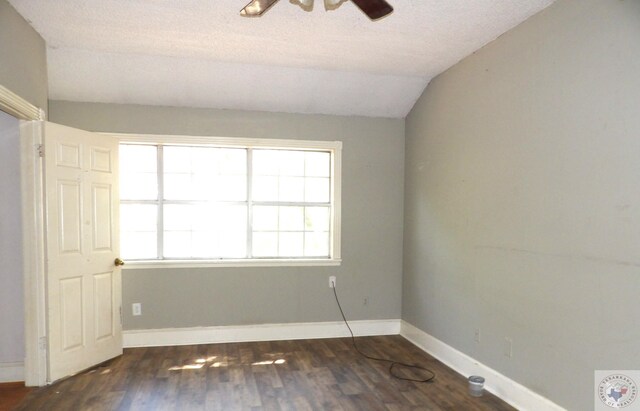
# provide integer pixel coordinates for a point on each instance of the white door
(82, 280)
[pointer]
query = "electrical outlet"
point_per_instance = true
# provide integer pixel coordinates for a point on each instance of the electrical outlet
(476, 335)
(508, 347)
(136, 309)
(365, 301)
(332, 281)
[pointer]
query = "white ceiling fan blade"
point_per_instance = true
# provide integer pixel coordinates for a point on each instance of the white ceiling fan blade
(306, 5)
(332, 4)
(257, 8)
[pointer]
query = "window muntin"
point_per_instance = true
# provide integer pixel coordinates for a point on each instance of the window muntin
(227, 203)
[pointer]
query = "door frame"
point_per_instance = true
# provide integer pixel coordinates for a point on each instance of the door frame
(33, 231)
(33, 246)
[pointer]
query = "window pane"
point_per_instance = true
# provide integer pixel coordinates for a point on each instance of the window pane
(205, 173)
(140, 186)
(138, 231)
(291, 167)
(265, 244)
(291, 245)
(232, 161)
(176, 159)
(231, 221)
(265, 188)
(265, 218)
(138, 217)
(316, 244)
(177, 244)
(316, 190)
(291, 189)
(317, 164)
(316, 219)
(178, 217)
(138, 159)
(291, 219)
(233, 245)
(205, 230)
(204, 160)
(204, 244)
(266, 162)
(138, 245)
(138, 172)
(178, 186)
(228, 188)
(291, 163)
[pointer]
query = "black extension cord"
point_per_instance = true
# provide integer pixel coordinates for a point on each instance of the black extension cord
(392, 363)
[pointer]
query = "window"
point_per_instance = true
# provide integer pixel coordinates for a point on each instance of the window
(237, 201)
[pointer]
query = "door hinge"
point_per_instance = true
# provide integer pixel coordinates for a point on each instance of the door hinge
(120, 315)
(40, 150)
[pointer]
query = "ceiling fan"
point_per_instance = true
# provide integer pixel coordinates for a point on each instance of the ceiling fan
(374, 9)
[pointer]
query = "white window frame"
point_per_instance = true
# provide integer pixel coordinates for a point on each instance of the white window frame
(335, 147)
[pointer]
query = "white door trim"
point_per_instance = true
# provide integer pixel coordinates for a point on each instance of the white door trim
(18, 107)
(35, 365)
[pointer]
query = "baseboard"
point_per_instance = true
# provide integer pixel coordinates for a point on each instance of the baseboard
(503, 387)
(260, 332)
(11, 371)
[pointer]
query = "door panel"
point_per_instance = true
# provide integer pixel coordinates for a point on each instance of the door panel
(101, 205)
(103, 305)
(83, 284)
(69, 215)
(68, 155)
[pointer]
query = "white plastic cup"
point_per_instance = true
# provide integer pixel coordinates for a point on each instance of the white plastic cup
(476, 385)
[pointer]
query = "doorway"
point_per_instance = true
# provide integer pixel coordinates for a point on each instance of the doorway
(12, 340)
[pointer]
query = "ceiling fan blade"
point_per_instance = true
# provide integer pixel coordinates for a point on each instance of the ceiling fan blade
(374, 9)
(332, 4)
(257, 8)
(306, 5)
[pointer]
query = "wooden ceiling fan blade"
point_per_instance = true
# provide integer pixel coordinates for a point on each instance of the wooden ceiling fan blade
(257, 8)
(374, 9)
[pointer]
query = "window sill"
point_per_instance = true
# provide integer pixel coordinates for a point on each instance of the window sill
(133, 265)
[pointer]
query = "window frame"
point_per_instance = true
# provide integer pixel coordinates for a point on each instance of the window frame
(334, 147)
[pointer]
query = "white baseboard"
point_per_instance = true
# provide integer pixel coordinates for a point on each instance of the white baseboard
(261, 332)
(11, 371)
(503, 387)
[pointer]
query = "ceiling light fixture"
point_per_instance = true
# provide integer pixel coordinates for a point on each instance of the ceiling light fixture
(374, 9)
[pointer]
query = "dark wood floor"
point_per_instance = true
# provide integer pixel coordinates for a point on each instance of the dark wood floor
(11, 394)
(280, 375)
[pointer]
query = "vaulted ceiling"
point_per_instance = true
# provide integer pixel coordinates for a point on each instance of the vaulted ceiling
(201, 53)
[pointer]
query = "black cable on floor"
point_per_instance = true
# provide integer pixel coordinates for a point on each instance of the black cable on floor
(392, 363)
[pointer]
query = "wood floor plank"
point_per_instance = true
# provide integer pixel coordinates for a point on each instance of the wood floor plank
(315, 375)
(11, 394)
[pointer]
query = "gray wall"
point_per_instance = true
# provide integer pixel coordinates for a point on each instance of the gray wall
(23, 58)
(522, 207)
(372, 207)
(11, 289)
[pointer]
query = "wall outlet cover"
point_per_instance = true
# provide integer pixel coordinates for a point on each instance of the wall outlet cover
(136, 309)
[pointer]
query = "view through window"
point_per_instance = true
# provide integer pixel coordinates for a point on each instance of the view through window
(190, 202)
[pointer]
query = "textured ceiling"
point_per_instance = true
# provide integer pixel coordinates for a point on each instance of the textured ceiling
(201, 53)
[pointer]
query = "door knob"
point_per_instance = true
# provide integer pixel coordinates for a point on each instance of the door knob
(118, 262)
